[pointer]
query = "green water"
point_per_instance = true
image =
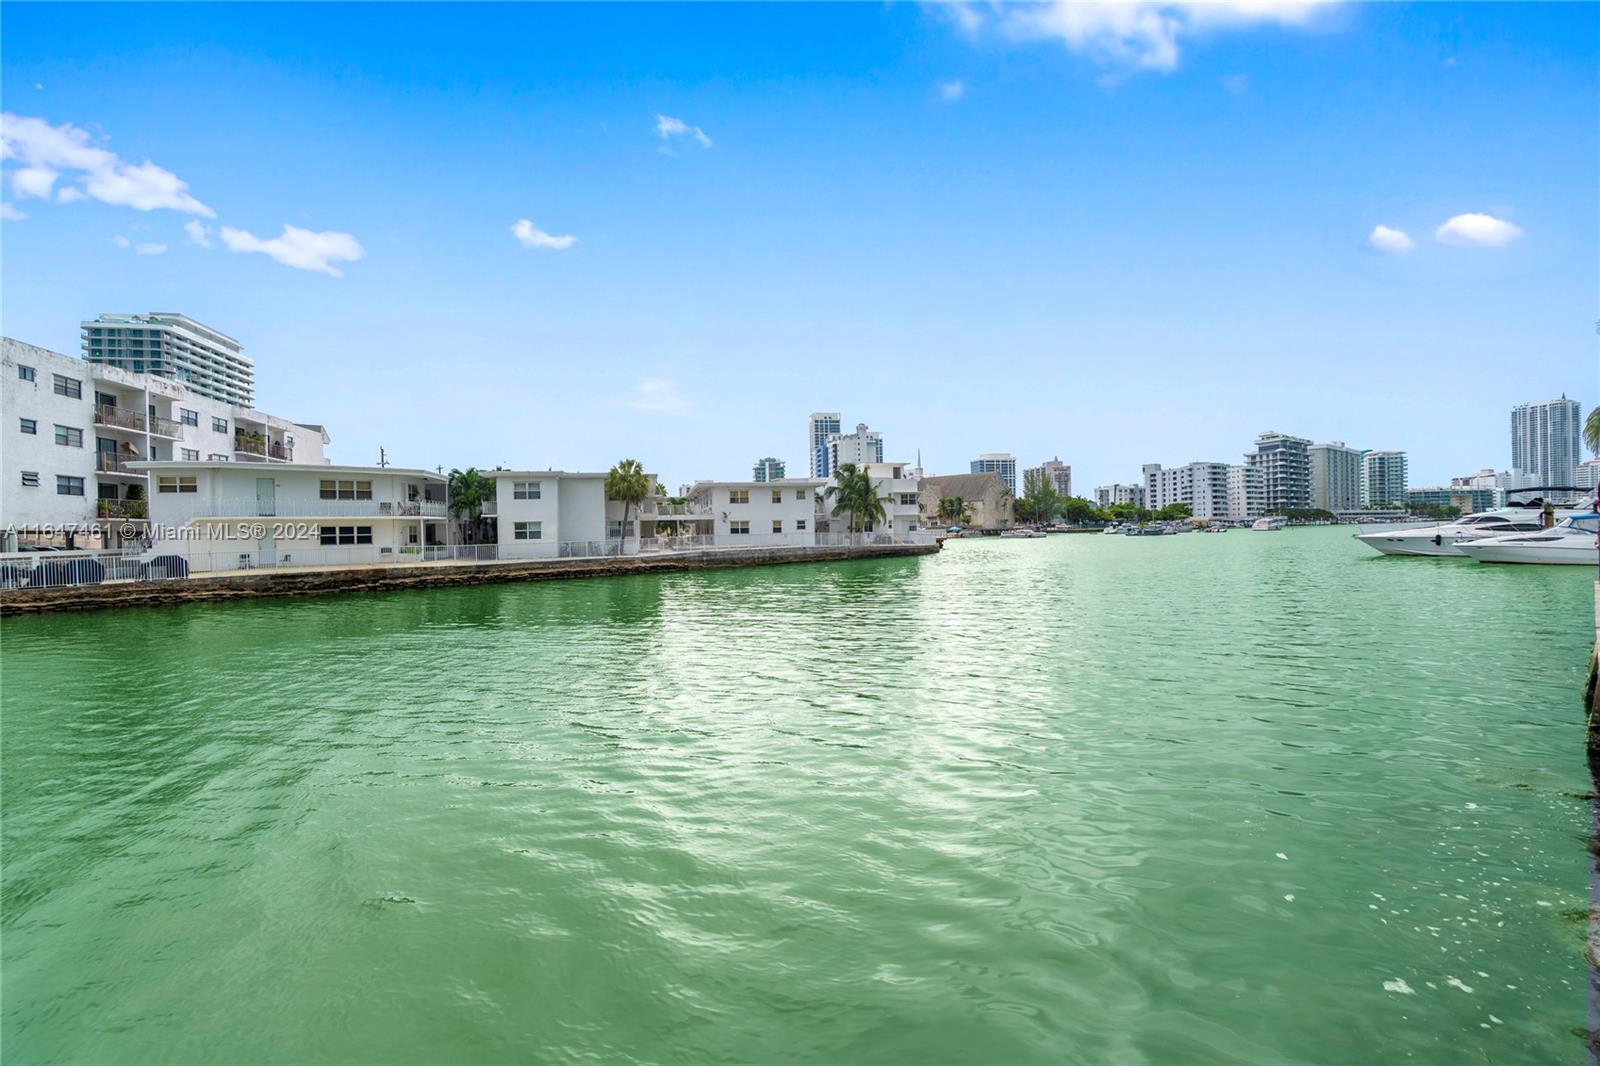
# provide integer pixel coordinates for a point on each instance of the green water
(1090, 799)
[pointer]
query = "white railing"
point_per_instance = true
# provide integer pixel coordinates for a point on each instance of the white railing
(193, 508)
(167, 561)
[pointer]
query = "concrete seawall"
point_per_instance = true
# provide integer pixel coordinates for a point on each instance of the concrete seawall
(384, 578)
(1591, 700)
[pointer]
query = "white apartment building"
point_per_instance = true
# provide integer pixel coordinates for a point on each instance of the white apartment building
(861, 447)
(1544, 440)
(1002, 463)
(168, 345)
(898, 486)
(1335, 476)
(550, 513)
(1285, 464)
(1203, 486)
(71, 429)
(1587, 475)
(1110, 495)
(821, 426)
(1246, 495)
(236, 516)
(1055, 473)
(1383, 478)
(757, 512)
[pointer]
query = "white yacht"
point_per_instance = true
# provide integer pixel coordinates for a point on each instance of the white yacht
(1269, 523)
(1573, 541)
(1446, 537)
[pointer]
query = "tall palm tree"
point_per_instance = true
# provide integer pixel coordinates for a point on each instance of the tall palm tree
(1591, 431)
(469, 490)
(953, 510)
(855, 495)
(627, 482)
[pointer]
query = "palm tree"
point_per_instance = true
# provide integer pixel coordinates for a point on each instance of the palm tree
(856, 495)
(1591, 431)
(627, 482)
(468, 491)
(953, 510)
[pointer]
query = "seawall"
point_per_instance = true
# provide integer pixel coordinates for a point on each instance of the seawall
(395, 576)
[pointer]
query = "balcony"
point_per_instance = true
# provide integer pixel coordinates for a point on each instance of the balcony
(116, 417)
(250, 444)
(182, 507)
(122, 509)
(110, 463)
(675, 510)
(281, 452)
(165, 427)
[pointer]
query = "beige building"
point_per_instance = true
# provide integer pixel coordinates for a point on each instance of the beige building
(986, 496)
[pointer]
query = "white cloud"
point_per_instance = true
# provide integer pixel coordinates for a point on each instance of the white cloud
(1385, 239)
(1480, 229)
(199, 233)
(1132, 34)
(952, 90)
(121, 242)
(9, 212)
(532, 236)
(150, 248)
(299, 248)
(657, 395)
(668, 127)
(46, 153)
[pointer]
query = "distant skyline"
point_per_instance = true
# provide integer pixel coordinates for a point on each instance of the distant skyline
(552, 236)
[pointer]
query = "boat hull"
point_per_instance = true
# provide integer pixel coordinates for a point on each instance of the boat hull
(1389, 544)
(1542, 554)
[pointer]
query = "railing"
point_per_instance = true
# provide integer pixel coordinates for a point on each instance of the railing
(281, 451)
(169, 560)
(670, 510)
(122, 508)
(191, 508)
(106, 415)
(112, 463)
(249, 445)
(165, 427)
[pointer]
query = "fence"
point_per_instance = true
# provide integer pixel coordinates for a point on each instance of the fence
(46, 569)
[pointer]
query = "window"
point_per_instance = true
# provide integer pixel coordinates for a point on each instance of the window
(104, 399)
(177, 483)
(188, 417)
(527, 530)
(345, 534)
(219, 425)
(68, 486)
(215, 457)
(25, 373)
(777, 495)
(777, 525)
(908, 499)
(738, 527)
(108, 492)
(329, 489)
(30, 479)
(800, 494)
(526, 490)
(738, 495)
(190, 455)
(71, 388)
(800, 525)
(30, 427)
(69, 437)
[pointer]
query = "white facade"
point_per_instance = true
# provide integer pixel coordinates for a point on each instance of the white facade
(1056, 474)
(1285, 465)
(1002, 463)
(821, 426)
(1383, 478)
(1335, 476)
(1587, 475)
(1544, 440)
(1203, 486)
(768, 469)
(548, 513)
(230, 516)
(861, 447)
(1110, 495)
(758, 512)
(71, 428)
(1246, 496)
(168, 345)
(898, 487)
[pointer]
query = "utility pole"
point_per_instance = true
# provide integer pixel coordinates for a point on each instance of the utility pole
(383, 457)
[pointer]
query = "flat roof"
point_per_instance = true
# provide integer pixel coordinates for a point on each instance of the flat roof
(165, 466)
(782, 482)
(540, 473)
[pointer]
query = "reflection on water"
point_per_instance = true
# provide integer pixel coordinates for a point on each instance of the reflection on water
(1260, 797)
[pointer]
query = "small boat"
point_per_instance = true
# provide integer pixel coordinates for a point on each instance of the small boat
(1575, 540)
(1112, 530)
(1021, 532)
(1269, 523)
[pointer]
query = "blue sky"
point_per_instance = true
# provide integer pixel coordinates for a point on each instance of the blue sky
(1120, 235)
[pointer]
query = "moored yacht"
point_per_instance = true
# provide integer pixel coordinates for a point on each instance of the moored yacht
(1445, 538)
(1269, 523)
(1572, 541)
